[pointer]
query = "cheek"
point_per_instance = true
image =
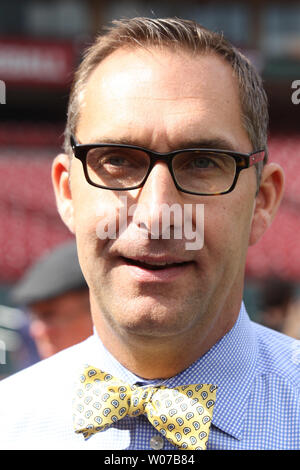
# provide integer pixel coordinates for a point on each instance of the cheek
(227, 229)
(88, 214)
(91, 205)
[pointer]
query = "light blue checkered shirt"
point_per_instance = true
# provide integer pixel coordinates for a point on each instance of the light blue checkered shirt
(257, 371)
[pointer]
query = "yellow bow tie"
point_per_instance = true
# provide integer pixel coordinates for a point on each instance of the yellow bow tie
(182, 414)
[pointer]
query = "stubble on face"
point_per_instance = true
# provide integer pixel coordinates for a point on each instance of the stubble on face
(147, 97)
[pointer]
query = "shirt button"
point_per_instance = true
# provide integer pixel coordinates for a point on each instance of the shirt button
(157, 442)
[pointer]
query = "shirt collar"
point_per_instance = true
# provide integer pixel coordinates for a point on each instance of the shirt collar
(229, 364)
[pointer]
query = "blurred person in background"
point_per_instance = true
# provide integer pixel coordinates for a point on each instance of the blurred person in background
(19, 350)
(280, 307)
(56, 297)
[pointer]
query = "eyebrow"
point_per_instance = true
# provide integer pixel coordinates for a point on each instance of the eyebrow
(213, 143)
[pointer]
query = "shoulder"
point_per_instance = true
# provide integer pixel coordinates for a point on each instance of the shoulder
(48, 371)
(37, 401)
(278, 355)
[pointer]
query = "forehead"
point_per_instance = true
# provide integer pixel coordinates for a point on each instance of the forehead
(159, 91)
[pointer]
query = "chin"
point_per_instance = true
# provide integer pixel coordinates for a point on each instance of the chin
(146, 316)
(151, 331)
(158, 324)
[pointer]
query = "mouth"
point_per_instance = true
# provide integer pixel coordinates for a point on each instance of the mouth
(155, 270)
(154, 265)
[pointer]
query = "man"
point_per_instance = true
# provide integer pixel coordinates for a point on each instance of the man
(280, 306)
(157, 112)
(55, 293)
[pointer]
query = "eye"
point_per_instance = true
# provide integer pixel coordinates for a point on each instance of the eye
(116, 166)
(116, 161)
(194, 162)
(203, 162)
(112, 160)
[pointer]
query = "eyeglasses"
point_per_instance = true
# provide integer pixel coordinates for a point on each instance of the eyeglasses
(201, 171)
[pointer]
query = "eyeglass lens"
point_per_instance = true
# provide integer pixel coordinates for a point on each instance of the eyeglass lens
(195, 171)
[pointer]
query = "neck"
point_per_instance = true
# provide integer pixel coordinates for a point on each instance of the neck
(162, 357)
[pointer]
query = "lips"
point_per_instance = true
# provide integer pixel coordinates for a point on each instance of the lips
(154, 264)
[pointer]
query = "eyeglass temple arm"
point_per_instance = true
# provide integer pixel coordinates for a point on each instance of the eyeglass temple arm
(257, 157)
(73, 141)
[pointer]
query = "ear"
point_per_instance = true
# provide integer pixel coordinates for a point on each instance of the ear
(267, 200)
(60, 180)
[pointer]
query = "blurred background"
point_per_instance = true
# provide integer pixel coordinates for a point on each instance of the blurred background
(41, 43)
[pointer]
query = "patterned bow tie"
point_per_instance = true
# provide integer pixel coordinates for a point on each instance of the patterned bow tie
(182, 414)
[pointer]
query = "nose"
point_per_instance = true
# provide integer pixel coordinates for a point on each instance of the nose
(158, 195)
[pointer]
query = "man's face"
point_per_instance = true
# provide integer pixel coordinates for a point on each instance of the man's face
(163, 101)
(56, 324)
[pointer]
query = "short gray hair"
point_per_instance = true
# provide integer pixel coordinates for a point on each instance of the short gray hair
(176, 33)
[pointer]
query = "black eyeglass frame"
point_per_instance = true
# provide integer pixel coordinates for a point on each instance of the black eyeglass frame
(242, 161)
